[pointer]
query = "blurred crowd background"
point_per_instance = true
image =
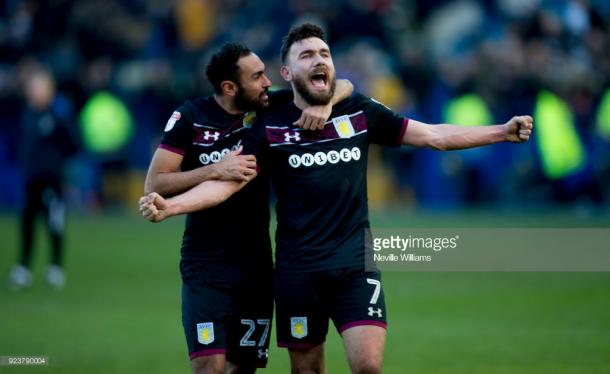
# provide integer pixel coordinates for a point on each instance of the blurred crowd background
(122, 67)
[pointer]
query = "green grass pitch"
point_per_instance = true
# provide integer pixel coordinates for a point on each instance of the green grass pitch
(120, 311)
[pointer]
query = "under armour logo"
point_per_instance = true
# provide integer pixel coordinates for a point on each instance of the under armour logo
(263, 353)
(295, 136)
(372, 312)
(211, 135)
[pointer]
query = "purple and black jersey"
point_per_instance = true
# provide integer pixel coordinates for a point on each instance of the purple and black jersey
(319, 178)
(238, 229)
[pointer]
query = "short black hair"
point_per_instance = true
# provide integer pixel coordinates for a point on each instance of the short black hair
(298, 33)
(223, 64)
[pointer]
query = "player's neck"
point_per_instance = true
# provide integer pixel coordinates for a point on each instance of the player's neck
(228, 104)
(299, 102)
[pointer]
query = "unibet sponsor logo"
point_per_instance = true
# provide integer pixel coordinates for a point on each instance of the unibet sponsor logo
(321, 158)
(216, 156)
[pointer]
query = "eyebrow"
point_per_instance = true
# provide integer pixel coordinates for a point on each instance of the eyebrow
(259, 72)
(311, 50)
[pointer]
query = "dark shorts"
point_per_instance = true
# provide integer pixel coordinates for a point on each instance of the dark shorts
(227, 309)
(306, 301)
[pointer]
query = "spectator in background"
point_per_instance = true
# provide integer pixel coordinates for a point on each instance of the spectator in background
(148, 52)
(45, 143)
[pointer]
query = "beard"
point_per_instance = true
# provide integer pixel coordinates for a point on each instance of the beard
(248, 103)
(314, 98)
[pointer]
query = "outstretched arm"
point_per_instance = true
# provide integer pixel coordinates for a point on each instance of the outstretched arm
(314, 117)
(452, 137)
(165, 177)
(205, 195)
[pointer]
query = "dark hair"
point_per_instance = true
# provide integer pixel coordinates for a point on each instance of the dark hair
(298, 33)
(223, 64)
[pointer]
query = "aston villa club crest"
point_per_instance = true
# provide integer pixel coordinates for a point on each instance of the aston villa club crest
(298, 327)
(205, 333)
(249, 119)
(344, 126)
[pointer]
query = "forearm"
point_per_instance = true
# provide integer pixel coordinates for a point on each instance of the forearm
(203, 196)
(343, 90)
(171, 183)
(314, 117)
(454, 137)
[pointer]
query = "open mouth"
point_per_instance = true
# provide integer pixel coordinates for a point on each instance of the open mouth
(264, 96)
(319, 79)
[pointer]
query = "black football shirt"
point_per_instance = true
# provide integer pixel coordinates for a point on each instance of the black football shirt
(238, 229)
(319, 178)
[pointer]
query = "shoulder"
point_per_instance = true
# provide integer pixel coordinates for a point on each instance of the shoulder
(356, 99)
(184, 111)
(369, 105)
(199, 106)
(182, 116)
(355, 102)
(205, 110)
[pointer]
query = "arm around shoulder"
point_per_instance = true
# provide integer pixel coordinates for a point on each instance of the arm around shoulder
(165, 178)
(315, 117)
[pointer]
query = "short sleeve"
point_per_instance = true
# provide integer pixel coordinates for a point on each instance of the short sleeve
(178, 133)
(384, 126)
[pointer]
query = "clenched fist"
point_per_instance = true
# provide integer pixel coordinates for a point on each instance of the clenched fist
(519, 129)
(154, 207)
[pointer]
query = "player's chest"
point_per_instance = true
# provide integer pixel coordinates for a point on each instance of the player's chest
(209, 144)
(342, 145)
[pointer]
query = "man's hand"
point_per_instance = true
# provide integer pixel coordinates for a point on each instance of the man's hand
(237, 167)
(314, 117)
(154, 207)
(519, 129)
